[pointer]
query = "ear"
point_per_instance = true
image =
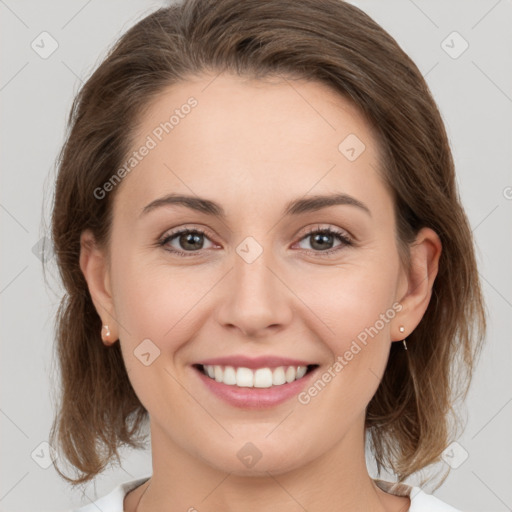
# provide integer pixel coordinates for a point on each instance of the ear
(425, 252)
(94, 266)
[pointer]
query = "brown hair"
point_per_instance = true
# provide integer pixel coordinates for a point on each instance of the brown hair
(328, 41)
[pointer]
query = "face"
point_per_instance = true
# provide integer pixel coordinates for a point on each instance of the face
(276, 275)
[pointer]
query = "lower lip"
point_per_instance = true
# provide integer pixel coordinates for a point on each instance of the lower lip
(256, 398)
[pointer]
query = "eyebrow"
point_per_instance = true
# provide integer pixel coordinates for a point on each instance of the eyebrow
(295, 207)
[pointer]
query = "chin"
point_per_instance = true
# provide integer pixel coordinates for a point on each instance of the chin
(249, 460)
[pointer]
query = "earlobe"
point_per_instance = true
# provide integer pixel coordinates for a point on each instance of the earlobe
(93, 263)
(425, 253)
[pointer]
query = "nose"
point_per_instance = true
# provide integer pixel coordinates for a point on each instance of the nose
(255, 299)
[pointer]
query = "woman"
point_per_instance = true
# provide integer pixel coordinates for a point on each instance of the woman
(256, 210)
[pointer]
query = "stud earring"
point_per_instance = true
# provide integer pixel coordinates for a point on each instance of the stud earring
(105, 333)
(402, 329)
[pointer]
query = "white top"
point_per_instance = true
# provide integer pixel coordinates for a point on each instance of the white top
(420, 501)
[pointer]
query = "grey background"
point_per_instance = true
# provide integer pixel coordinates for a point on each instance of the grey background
(475, 97)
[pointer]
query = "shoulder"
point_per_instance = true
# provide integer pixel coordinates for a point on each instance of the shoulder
(112, 502)
(423, 502)
(420, 500)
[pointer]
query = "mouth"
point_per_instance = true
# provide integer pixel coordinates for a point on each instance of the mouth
(265, 377)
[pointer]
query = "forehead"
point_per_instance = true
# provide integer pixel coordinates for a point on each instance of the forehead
(238, 137)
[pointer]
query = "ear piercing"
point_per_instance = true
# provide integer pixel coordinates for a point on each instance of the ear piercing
(402, 329)
(105, 333)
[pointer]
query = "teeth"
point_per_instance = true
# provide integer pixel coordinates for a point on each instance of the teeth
(260, 378)
(244, 378)
(301, 371)
(229, 376)
(278, 376)
(263, 378)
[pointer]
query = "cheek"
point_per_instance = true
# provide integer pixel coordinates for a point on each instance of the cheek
(155, 313)
(357, 304)
(351, 300)
(158, 302)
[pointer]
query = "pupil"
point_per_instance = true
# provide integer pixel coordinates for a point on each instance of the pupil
(322, 239)
(191, 238)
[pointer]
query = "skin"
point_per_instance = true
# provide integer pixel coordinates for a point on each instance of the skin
(252, 146)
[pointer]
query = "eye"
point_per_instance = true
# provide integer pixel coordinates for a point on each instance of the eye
(190, 240)
(322, 239)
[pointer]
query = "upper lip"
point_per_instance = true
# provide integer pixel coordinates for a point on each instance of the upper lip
(254, 362)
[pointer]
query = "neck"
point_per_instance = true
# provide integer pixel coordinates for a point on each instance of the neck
(337, 480)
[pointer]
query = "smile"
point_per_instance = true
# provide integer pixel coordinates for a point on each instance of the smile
(255, 378)
(255, 382)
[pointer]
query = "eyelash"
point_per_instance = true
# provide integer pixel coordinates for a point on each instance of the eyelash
(346, 241)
